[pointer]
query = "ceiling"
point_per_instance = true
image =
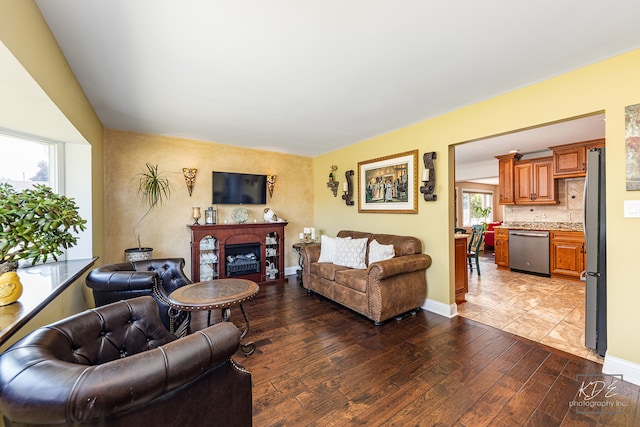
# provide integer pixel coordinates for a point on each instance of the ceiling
(308, 77)
(476, 162)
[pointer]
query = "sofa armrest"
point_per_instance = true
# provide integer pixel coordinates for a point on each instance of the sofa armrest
(38, 387)
(309, 254)
(399, 265)
(120, 277)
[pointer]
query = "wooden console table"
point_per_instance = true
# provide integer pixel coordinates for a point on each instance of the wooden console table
(461, 274)
(211, 245)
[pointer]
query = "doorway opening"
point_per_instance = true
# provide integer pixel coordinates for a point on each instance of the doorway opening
(547, 310)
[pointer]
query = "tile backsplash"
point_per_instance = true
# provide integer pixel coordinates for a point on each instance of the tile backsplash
(568, 210)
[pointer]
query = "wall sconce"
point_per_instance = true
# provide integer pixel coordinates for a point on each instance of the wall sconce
(189, 178)
(429, 177)
(196, 215)
(347, 188)
(271, 182)
(333, 184)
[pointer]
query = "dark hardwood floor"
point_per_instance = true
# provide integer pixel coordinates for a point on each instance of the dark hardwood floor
(319, 364)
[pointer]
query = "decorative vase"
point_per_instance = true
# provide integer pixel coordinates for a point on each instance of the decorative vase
(10, 288)
(138, 254)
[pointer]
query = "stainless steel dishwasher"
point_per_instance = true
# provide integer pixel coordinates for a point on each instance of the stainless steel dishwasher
(529, 251)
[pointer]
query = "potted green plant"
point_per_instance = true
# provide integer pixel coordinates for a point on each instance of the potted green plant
(483, 214)
(154, 188)
(35, 225)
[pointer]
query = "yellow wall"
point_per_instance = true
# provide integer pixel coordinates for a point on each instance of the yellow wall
(25, 33)
(165, 228)
(606, 86)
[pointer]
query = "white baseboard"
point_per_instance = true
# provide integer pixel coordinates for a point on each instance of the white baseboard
(288, 271)
(437, 307)
(630, 371)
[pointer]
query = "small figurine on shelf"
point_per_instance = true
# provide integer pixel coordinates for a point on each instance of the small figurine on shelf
(271, 270)
(270, 215)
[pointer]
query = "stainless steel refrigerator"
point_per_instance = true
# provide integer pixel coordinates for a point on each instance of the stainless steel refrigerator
(595, 242)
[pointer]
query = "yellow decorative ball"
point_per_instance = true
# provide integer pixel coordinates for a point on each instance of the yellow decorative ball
(10, 288)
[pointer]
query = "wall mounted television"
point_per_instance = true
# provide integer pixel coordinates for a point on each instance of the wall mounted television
(231, 188)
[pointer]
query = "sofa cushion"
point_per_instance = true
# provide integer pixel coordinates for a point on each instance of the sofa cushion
(402, 245)
(327, 249)
(353, 279)
(378, 252)
(351, 252)
(326, 270)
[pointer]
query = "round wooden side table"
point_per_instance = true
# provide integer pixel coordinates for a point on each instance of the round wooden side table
(218, 294)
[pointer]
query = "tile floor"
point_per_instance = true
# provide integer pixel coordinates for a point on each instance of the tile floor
(545, 310)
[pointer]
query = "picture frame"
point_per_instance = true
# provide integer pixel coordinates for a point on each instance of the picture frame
(389, 184)
(632, 147)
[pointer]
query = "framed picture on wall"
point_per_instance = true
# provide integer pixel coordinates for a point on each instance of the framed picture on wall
(632, 145)
(389, 184)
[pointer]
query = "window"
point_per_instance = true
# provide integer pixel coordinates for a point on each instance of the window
(472, 200)
(26, 162)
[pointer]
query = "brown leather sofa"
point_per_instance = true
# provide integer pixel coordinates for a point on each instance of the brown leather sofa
(382, 290)
(117, 365)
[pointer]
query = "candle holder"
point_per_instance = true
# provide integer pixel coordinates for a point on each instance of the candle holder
(333, 184)
(348, 192)
(271, 183)
(196, 215)
(430, 175)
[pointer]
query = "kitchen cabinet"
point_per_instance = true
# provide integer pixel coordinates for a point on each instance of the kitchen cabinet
(570, 160)
(501, 247)
(505, 177)
(567, 252)
(461, 275)
(534, 182)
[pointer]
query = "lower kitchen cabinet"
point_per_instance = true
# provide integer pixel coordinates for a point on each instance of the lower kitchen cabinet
(501, 247)
(567, 252)
(461, 275)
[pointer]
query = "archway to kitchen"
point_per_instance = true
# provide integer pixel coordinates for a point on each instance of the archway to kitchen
(547, 310)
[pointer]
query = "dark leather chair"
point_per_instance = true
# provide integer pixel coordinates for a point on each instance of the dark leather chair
(117, 365)
(155, 277)
(475, 242)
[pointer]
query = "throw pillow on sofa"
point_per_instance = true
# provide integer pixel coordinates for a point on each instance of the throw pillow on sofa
(378, 252)
(327, 249)
(351, 252)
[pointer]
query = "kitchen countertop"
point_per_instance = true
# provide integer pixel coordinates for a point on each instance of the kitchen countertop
(555, 226)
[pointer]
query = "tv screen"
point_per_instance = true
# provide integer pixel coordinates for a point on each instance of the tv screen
(239, 189)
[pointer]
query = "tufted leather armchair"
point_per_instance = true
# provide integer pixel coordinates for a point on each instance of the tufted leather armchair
(117, 365)
(115, 282)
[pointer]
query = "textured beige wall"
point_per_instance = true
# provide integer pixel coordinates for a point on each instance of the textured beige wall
(165, 228)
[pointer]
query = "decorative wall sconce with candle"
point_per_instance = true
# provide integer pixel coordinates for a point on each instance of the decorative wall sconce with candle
(196, 215)
(429, 177)
(271, 183)
(189, 178)
(333, 184)
(347, 188)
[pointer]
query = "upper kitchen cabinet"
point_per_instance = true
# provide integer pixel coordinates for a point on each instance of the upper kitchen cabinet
(534, 182)
(570, 160)
(505, 180)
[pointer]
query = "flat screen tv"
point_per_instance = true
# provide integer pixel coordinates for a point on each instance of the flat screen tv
(231, 188)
